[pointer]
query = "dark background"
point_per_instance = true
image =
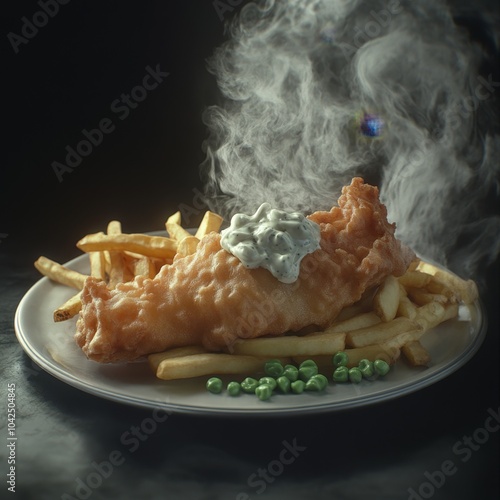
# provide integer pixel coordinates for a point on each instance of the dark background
(64, 80)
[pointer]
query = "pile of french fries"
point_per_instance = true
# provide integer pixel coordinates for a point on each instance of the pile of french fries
(118, 257)
(385, 324)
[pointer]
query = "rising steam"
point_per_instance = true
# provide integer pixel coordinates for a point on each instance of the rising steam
(297, 77)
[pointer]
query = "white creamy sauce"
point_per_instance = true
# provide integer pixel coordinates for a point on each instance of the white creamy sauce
(272, 239)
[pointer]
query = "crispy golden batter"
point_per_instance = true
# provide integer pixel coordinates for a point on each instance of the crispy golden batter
(210, 298)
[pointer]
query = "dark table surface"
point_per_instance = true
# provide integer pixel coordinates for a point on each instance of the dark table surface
(64, 79)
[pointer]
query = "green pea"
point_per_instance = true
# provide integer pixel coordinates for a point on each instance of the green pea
(298, 386)
(214, 385)
(322, 379)
(291, 372)
(316, 383)
(308, 362)
(273, 368)
(340, 359)
(268, 380)
(381, 367)
(307, 369)
(234, 388)
(283, 384)
(249, 385)
(355, 375)
(263, 392)
(366, 368)
(341, 374)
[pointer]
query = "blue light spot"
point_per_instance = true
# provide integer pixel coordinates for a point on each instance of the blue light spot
(371, 125)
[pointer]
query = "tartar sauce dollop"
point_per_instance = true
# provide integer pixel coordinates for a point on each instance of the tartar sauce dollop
(273, 239)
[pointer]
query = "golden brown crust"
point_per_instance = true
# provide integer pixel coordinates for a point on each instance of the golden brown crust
(210, 298)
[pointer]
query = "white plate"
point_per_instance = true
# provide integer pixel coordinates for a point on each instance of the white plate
(51, 346)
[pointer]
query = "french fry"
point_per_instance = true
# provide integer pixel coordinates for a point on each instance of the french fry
(174, 219)
(413, 265)
(432, 314)
(362, 320)
(441, 289)
(151, 246)
(196, 365)
(291, 345)
(107, 261)
(155, 359)
(144, 266)
(465, 289)
(372, 352)
(415, 279)
(428, 316)
(114, 227)
(187, 246)
(174, 228)
(211, 222)
(386, 299)
(69, 309)
(97, 265)
(59, 273)
(422, 297)
(380, 333)
(117, 272)
(416, 354)
(406, 307)
(400, 339)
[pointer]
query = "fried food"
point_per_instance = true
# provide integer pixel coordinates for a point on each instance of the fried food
(291, 345)
(210, 222)
(152, 246)
(464, 290)
(416, 353)
(386, 300)
(196, 365)
(381, 332)
(210, 298)
(362, 320)
(60, 274)
(174, 228)
(69, 309)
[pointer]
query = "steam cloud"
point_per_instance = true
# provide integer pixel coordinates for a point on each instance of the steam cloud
(297, 75)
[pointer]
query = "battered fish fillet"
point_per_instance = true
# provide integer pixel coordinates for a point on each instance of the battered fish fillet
(210, 298)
